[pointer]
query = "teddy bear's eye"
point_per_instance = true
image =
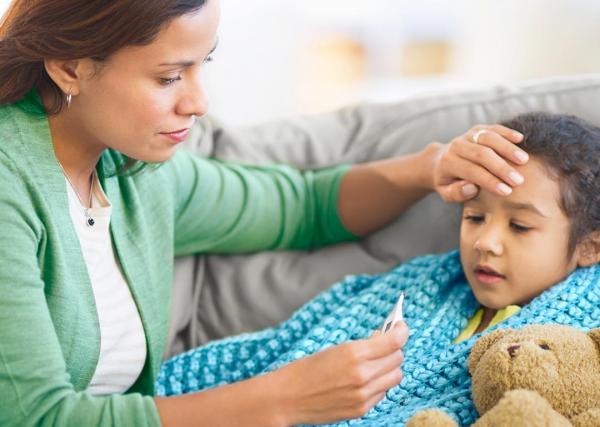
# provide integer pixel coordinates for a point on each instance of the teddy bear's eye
(544, 346)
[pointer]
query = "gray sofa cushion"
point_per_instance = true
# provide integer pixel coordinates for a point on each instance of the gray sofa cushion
(216, 296)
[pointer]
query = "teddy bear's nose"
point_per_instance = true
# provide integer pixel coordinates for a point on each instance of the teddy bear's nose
(512, 350)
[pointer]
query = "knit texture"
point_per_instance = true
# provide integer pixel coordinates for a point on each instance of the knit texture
(437, 307)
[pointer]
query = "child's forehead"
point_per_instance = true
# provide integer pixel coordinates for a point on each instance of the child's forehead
(540, 193)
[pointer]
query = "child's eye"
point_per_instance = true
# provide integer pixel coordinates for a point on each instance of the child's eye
(519, 228)
(475, 219)
(169, 81)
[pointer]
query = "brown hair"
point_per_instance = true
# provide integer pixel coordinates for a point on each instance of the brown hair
(569, 147)
(34, 30)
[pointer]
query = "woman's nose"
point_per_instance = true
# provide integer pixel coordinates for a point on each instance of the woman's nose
(194, 101)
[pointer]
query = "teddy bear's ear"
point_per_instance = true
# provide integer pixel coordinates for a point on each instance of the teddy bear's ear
(483, 344)
(594, 334)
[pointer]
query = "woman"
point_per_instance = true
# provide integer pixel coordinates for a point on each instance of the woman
(88, 90)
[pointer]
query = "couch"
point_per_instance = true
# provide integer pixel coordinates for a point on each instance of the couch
(215, 296)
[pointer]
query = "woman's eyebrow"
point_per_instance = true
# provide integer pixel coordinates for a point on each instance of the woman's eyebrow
(186, 64)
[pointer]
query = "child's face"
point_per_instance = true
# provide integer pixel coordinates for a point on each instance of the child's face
(513, 248)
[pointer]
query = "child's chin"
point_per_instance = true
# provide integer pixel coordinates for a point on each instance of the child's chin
(489, 301)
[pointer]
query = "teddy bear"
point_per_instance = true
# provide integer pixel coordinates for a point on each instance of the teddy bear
(540, 375)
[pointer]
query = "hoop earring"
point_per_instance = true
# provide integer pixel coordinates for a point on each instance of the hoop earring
(69, 98)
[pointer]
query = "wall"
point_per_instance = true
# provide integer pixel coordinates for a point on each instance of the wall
(283, 57)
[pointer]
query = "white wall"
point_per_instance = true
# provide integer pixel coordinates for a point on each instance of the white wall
(263, 61)
(492, 41)
(521, 39)
(266, 66)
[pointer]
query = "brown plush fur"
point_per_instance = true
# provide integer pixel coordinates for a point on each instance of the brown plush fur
(541, 375)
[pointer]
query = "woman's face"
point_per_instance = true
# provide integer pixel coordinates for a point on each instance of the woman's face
(143, 99)
(515, 247)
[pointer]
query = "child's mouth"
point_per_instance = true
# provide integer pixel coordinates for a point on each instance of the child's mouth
(488, 275)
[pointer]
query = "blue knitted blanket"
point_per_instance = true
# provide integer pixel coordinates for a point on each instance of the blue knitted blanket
(437, 306)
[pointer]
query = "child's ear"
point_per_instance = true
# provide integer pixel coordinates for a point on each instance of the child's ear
(588, 251)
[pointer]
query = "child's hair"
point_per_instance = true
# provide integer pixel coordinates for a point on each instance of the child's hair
(569, 147)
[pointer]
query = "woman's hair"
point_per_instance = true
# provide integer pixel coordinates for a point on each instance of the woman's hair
(34, 30)
(569, 147)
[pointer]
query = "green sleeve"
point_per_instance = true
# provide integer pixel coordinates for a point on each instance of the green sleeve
(232, 208)
(35, 388)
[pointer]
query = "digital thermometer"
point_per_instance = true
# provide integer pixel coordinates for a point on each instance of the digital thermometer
(395, 315)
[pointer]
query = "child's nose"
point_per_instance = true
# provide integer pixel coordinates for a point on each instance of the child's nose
(489, 242)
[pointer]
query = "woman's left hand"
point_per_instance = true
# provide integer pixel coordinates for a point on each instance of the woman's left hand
(480, 158)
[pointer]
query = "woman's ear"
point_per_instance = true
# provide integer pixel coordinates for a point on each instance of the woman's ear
(588, 251)
(67, 74)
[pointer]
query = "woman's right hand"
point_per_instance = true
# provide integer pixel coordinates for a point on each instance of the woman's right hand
(341, 382)
(463, 166)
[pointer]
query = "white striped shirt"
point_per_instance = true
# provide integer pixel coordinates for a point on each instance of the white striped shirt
(122, 339)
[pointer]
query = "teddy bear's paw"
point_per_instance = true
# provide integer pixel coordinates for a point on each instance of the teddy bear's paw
(431, 418)
(589, 418)
(523, 408)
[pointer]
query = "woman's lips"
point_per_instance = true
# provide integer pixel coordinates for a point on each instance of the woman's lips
(177, 136)
(488, 275)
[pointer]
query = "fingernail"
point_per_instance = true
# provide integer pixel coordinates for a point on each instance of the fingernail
(399, 324)
(398, 335)
(504, 189)
(469, 190)
(516, 177)
(517, 135)
(521, 156)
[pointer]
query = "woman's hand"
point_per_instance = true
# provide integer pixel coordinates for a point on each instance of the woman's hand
(480, 158)
(342, 382)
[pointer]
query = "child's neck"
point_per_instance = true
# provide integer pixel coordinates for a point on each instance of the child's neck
(488, 315)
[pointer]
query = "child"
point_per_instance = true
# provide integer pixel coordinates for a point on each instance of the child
(514, 248)
(515, 253)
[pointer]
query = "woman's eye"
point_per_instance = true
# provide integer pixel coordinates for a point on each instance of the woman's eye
(519, 228)
(475, 219)
(169, 81)
(208, 59)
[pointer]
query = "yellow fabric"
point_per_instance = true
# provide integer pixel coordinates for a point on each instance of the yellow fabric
(475, 321)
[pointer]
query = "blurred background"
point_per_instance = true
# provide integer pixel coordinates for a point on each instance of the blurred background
(283, 57)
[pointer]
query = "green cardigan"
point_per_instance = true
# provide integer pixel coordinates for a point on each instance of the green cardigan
(49, 334)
